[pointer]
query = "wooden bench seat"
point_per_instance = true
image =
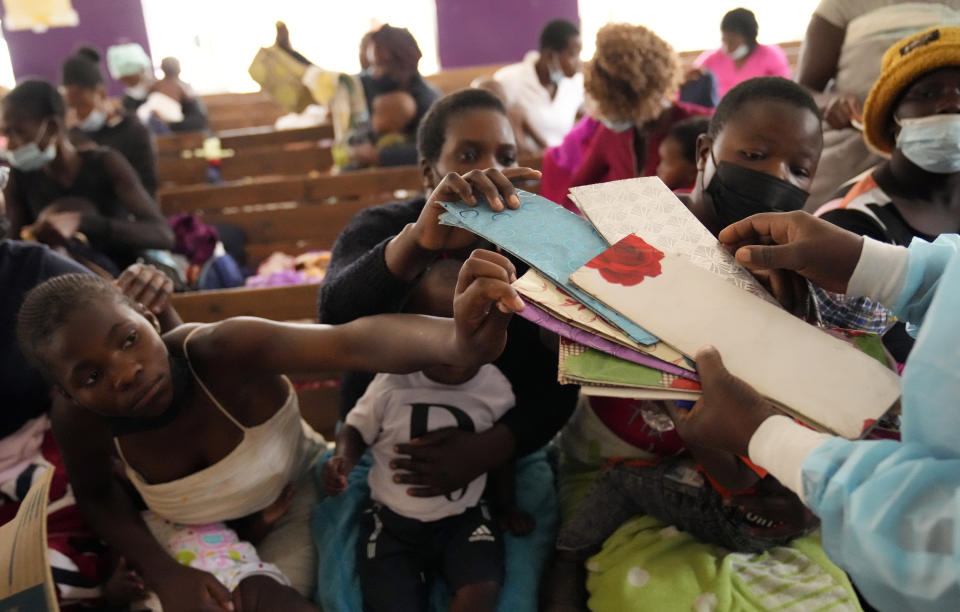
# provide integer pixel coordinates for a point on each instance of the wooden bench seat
(252, 137)
(300, 189)
(293, 159)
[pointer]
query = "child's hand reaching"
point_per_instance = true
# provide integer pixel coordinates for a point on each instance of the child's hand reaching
(484, 282)
(335, 472)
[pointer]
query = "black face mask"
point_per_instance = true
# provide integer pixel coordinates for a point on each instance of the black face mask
(739, 192)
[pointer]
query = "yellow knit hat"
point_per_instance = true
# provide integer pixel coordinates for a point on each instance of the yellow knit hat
(902, 64)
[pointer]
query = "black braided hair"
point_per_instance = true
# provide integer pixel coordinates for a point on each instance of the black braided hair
(48, 306)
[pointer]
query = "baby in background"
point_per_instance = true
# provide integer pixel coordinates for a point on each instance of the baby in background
(390, 116)
(402, 538)
(678, 154)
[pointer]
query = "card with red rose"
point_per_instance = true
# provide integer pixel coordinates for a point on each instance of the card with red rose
(818, 378)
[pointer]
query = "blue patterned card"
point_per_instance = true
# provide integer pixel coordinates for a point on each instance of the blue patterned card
(548, 237)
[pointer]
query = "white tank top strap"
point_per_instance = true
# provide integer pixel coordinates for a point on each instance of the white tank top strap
(203, 386)
(116, 443)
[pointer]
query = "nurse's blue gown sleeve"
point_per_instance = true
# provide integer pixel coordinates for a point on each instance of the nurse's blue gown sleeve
(890, 510)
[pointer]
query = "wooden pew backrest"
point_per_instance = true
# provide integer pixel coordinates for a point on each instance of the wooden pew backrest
(248, 162)
(175, 144)
(352, 185)
(292, 303)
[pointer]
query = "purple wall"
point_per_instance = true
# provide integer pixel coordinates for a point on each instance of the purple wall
(102, 23)
(475, 33)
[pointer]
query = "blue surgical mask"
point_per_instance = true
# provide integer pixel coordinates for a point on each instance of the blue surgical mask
(557, 75)
(932, 143)
(30, 157)
(739, 53)
(94, 121)
(138, 92)
(617, 126)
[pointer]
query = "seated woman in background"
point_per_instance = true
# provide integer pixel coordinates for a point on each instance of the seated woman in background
(547, 85)
(741, 57)
(394, 57)
(632, 78)
(57, 192)
(167, 105)
(839, 64)
(912, 115)
(94, 118)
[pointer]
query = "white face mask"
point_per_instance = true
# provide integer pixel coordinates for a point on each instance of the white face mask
(617, 126)
(557, 75)
(29, 157)
(94, 121)
(138, 91)
(739, 53)
(933, 142)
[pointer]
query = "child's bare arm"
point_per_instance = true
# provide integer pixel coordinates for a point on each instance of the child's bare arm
(502, 489)
(85, 441)
(385, 343)
(350, 447)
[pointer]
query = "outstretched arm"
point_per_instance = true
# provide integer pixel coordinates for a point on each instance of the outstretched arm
(394, 343)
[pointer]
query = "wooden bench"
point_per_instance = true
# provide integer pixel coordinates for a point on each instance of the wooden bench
(299, 189)
(263, 136)
(293, 159)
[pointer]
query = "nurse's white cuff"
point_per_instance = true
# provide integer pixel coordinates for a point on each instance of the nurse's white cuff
(880, 273)
(780, 445)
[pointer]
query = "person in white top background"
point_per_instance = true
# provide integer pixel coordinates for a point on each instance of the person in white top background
(547, 85)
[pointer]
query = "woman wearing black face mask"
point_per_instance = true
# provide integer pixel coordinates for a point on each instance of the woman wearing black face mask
(394, 57)
(759, 154)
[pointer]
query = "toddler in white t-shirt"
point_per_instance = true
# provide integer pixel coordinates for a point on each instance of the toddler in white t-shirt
(404, 539)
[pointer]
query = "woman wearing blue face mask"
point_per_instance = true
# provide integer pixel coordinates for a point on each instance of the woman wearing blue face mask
(912, 116)
(94, 119)
(741, 57)
(546, 86)
(631, 84)
(63, 196)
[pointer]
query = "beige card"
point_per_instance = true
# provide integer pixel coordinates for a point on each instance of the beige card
(27, 580)
(647, 208)
(822, 380)
(548, 296)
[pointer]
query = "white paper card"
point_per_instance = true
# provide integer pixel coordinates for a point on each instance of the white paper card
(823, 380)
(646, 207)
